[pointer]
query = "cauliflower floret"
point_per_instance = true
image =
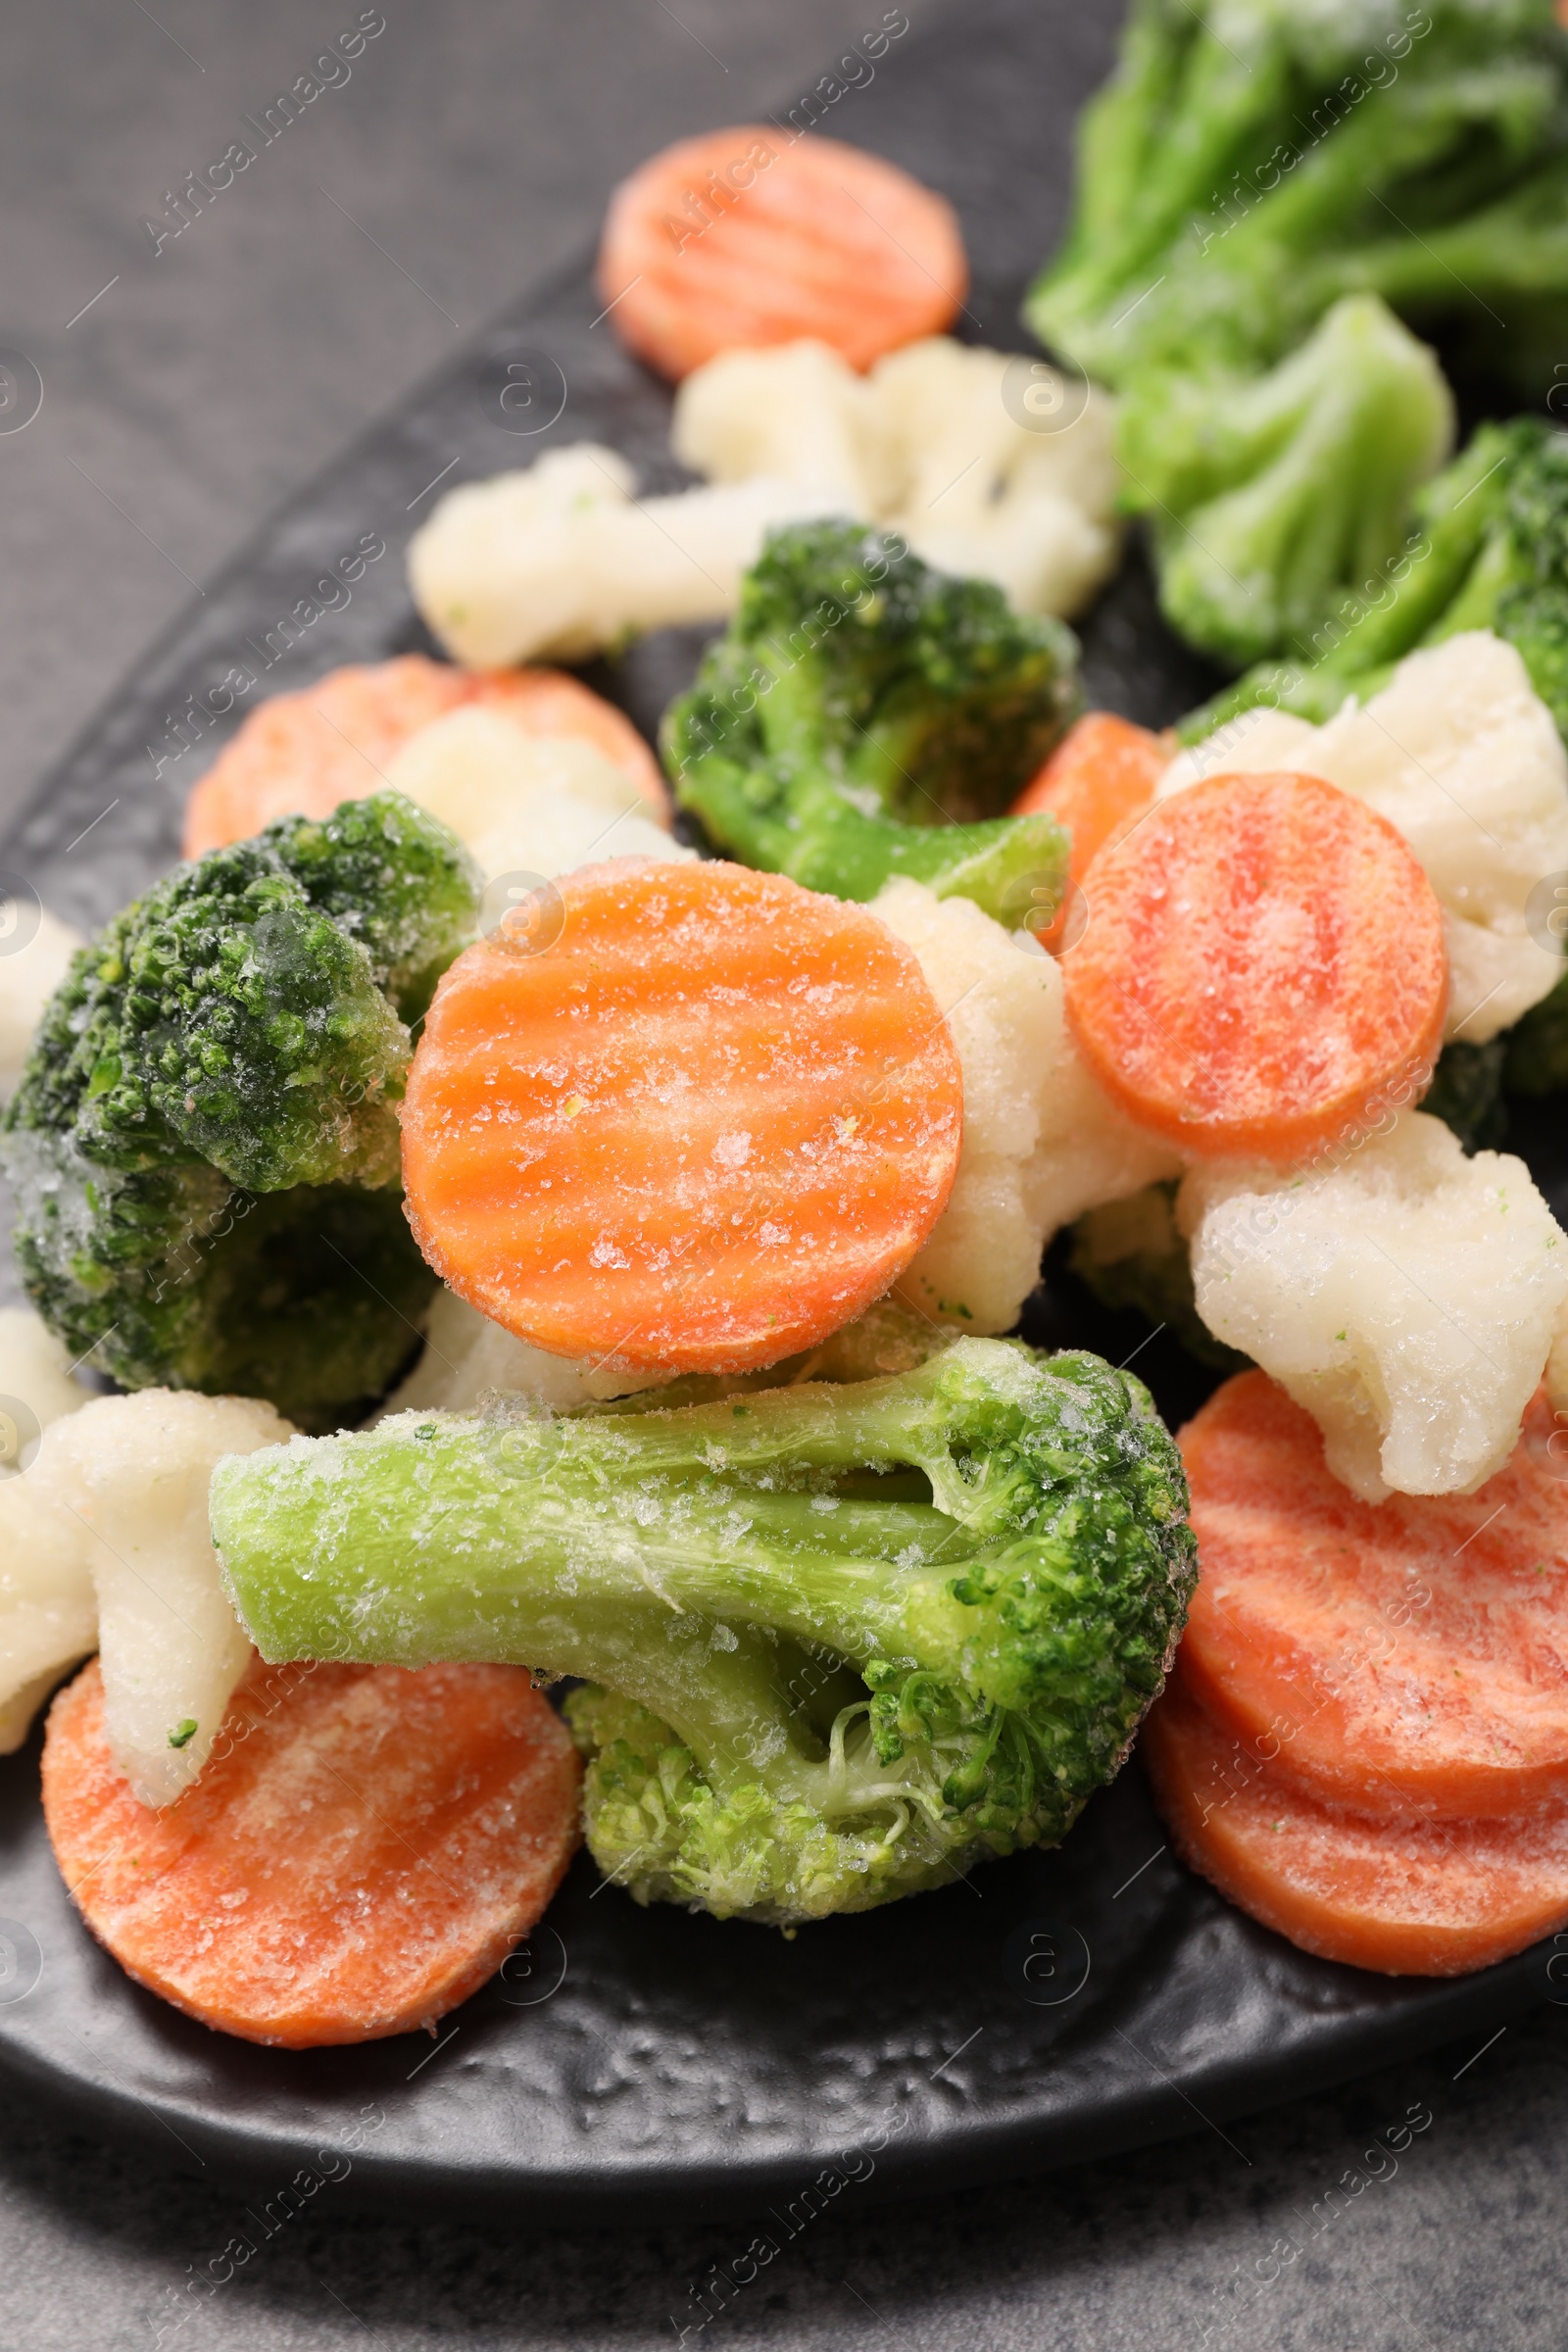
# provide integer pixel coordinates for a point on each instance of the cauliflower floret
(1407, 1297)
(526, 804)
(928, 446)
(36, 1386)
(131, 1474)
(984, 495)
(48, 1611)
(1040, 1140)
(1462, 757)
(468, 1359)
(564, 557)
(29, 974)
(796, 413)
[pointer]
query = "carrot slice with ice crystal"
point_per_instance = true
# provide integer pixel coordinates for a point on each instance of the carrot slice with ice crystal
(1263, 967)
(361, 1850)
(699, 1130)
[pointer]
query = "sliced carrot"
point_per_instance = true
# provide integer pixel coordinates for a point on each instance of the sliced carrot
(756, 235)
(1405, 1896)
(359, 1855)
(1263, 961)
(1412, 1652)
(303, 753)
(703, 1129)
(1098, 782)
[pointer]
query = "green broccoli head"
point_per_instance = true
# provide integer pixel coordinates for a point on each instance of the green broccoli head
(1250, 163)
(865, 716)
(1271, 496)
(841, 1642)
(1489, 550)
(205, 1141)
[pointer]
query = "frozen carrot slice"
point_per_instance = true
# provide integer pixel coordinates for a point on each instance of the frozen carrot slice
(1405, 1896)
(360, 1853)
(1098, 782)
(1263, 961)
(746, 237)
(698, 1131)
(303, 753)
(1412, 1651)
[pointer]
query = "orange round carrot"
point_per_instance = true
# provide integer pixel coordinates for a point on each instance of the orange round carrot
(698, 1131)
(360, 1852)
(303, 753)
(1405, 1896)
(1263, 959)
(1408, 1651)
(1098, 782)
(754, 235)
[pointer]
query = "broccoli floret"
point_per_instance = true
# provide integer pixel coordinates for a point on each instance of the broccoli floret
(1130, 1255)
(1250, 163)
(205, 1144)
(843, 1642)
(1490, 551)
(1271, 496)
(1254, 171)
(865, 716)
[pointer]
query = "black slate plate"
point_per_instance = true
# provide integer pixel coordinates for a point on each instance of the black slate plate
(629, 2063)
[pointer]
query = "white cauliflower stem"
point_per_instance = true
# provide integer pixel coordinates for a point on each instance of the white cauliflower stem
(1407, 1296)
(104, 1544)
(1464, 759)
(563, 558)
(29, 974)
(1041, 1142)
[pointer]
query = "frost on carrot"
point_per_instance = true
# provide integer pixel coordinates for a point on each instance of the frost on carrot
(1263, 959)
(359, 1855)
(709, 1124)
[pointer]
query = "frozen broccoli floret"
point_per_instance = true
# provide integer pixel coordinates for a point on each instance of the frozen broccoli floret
(1271, 496)
(1253, 170)
(1489, 550)
(864, 718)
(1249, 162)
(843, 1642)
(205, 1144)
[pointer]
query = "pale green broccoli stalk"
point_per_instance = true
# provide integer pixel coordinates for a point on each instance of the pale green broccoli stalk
(864, 717)
(843, 1642)
(1489, 550)
(1270, 497)
(205, 1141)
(1251, 162)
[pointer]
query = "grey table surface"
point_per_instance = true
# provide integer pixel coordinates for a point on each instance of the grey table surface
(186, 393)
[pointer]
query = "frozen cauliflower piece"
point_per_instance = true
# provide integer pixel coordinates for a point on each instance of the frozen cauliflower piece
(1407, 1297)
(48, 1611)
(29, 974)
(794, 413)
(526, 804)
(131, 1472)
(929, 445)
(1462, 757)
(563, 558)
(37, 1385)
(467, 1357)
(1041, 1142)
